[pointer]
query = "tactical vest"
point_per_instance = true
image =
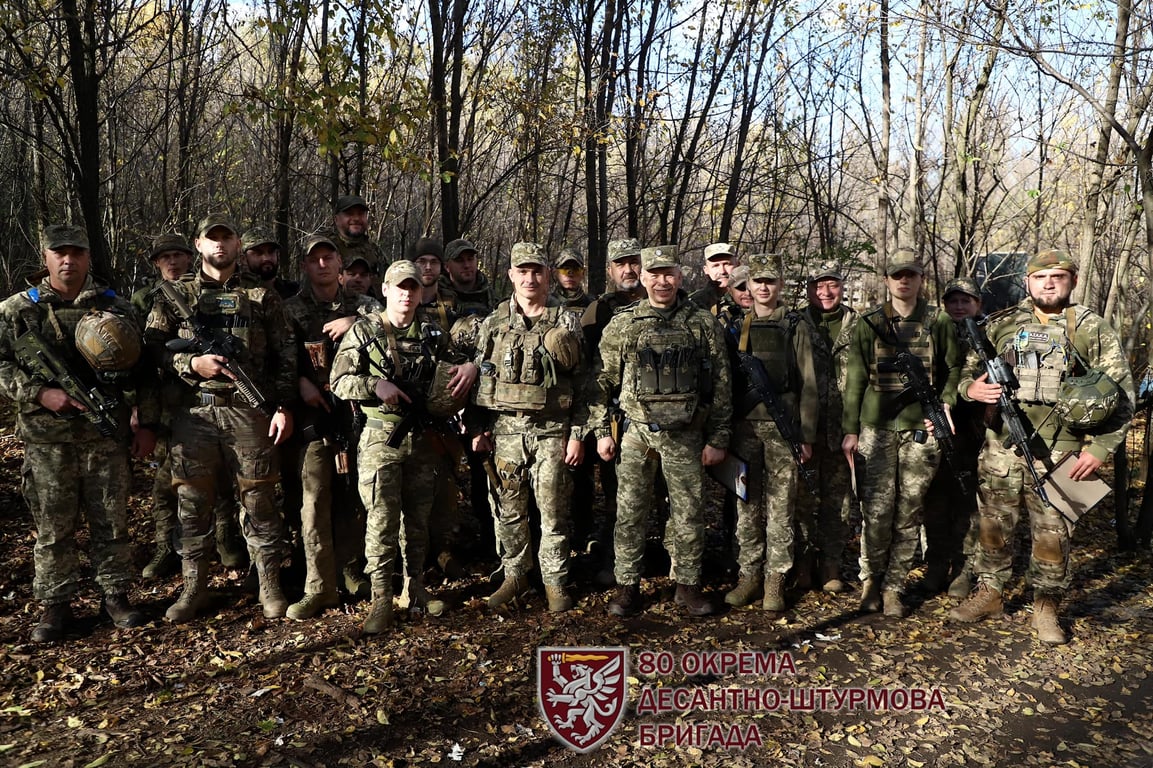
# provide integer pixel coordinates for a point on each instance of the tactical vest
(1040, 360)
(916, 335)
(772, 343)
(403, 358)
(667, 374)
(57, 322)
(515, 368)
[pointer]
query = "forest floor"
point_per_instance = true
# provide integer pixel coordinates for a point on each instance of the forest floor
(234, 689)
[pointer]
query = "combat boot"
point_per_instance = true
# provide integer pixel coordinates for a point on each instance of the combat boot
(312, 605)
(272, 598)
(749, 588)
(380, 615)
(558, 597)
(830, 574)
(193, 597)
(690, 598)
(164, 562)
(415, 595)
(985, 601)
(893, 605)
(627, 601)
(355, 583)
(774, 592)
(1046, 623)
(230, 544)
(53, 621)
(121, 612)
(511, 589)
(870, 596)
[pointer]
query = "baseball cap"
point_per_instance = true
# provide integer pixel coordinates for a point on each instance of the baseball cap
(457, 248)
(965, 285)
(827, 274)
(569, 256)
(213, 220)
(170, 242)
(400, 271)
(739, 276)
(1051, 259)
(320, 238)
(720, 249)
(623, 249)
(764, 266)
(658, 257)
(344, 202)
(58, 236)
(528, 253)
(255, 237)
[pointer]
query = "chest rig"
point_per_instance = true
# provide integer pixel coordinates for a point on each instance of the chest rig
(666, 373)
(916, 335)
(771, 341)
(1040, 359)
(517, 374)
(56, 322)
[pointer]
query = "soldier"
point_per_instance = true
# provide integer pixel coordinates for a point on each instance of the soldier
(474, 293)
(950, 509)
(1048, 339)
(214, 422)
(570, 275)
(766, 521)
(531, 415)
(356, 278)
(332, 529)
(172, 256)
(885, 429)
(71, 464)
(262, 257)
(823, 520)
(739, 290)
(665, 359)
(350, 218)
(720, 260)
(387, 361)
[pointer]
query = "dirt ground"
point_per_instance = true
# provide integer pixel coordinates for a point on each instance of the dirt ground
(233, 689)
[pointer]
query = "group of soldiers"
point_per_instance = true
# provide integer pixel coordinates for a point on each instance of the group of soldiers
(365, 389)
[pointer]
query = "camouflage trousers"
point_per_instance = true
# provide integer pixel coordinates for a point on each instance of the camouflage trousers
(896, 471)
(395, 484)
(165, 504)
(823, 519)
(208, 440)
(765, 522)
(332, 526)
(1004, 483)
(61, 481)
(529, 457)
(678, 454)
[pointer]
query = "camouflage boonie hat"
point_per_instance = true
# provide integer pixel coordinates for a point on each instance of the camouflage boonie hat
(528, 253)
(739, 276)
(659, 257)
(1051, 259)
(400, 271)
(623, 249)
(322, 238)
(569, 256)
(344, 202)
(764, 266)
(58, 236)
(172, 242)
(720, 249)
(213, 220)
(457, 248)
(1085, 402)
(258, 236)
(966, 285)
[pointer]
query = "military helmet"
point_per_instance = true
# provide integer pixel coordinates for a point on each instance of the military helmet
(110, 343)
(1085, 402)
(563, 347)
(439, 401)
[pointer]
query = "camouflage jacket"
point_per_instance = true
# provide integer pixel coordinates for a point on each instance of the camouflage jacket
(246, 310)
(1097, 343)
(830, 332)
(574, 301)
(616, 367)
(306, 316)
(40, 308)
(597, 315)
(481, 300)
(441, 310)
(361, 248)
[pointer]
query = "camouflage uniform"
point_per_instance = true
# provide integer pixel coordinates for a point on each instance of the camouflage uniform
(532, 413)
(364, 248)
(766, 521)
(670, 429)
(394, 482)
(68, 465)
(895, 458)
(480, 300)
(332, 524)
(823, 519)
(214, 426)
(1003, 477)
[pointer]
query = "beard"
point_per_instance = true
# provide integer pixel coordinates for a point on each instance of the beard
(267, 271)
(1051, 306)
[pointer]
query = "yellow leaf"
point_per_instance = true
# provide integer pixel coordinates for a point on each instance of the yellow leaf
(74, 722)
(872, 760)
(854, 741)
(100, 760)
(382, 717)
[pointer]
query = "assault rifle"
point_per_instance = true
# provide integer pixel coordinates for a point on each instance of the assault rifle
(40, 359)
(211, 341)
(760, 386)
(1001, 373)
(918, 385)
